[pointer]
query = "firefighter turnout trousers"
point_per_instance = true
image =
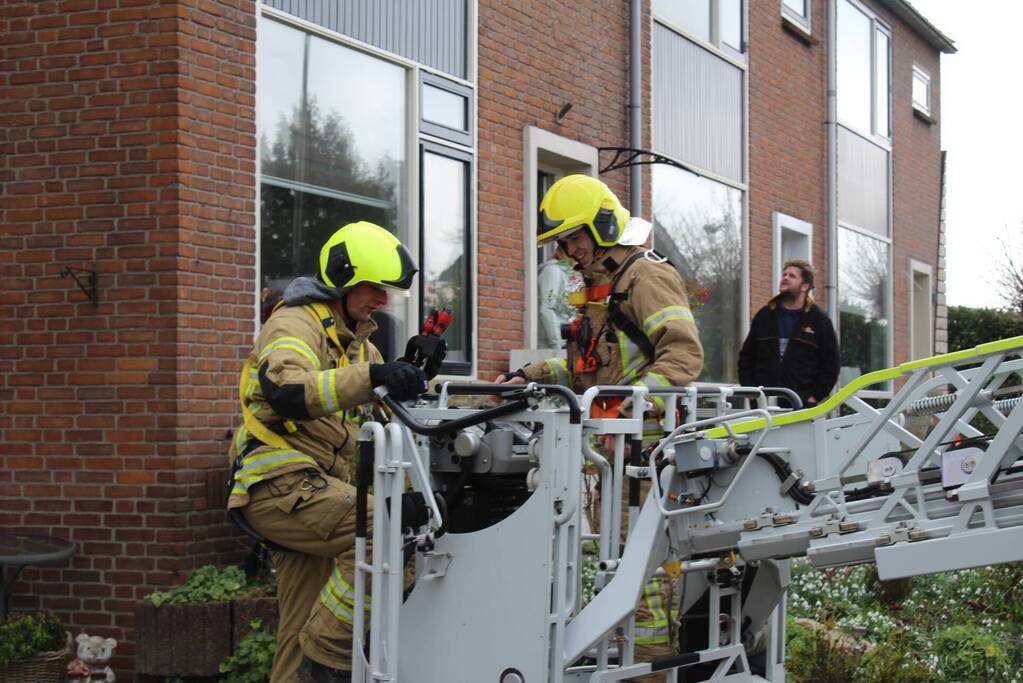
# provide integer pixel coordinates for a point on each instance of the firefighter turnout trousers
(313, 515)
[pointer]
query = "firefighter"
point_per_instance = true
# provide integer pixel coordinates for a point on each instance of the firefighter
(635, 327)
(304, 390)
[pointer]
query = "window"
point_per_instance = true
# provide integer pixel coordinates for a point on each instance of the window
(863, 303)
(864, 56)
(698, 226)
(921, 311)
(445, 254)
(921, 91)
(328, 158)
(718, 23)
(797, 13)
(445, 108)
(793, 238)
(548, 157)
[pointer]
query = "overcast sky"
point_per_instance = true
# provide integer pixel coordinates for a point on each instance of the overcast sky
(981, 112)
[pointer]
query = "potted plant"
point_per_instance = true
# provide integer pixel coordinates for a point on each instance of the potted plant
(188, 630)
(33, 649)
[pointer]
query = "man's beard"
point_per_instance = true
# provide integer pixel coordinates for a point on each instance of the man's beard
(788, 296)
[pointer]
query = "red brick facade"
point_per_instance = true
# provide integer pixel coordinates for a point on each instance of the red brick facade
(533, 58)
(127, 139)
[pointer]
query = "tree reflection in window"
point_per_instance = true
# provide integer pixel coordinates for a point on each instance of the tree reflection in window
(698, 225)
(863, 303)
(326, 158)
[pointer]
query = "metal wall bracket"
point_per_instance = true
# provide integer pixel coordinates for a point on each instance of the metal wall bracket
(628, 156)
(85, 278)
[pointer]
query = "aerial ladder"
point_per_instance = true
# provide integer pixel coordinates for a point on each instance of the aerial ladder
(737, 486)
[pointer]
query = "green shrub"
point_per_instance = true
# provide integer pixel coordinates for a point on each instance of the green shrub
(813, 656)
(212, 584)
(968, 327)
(895, 660)
(253, 659)
(23, 635)
(968, 653)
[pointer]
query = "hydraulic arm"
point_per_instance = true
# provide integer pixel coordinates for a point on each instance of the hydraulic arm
(926, 478)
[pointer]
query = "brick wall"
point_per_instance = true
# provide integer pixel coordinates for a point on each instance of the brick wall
(917, 175)
(788, 77)
(126, 141)
(534, 56)
(788, 171)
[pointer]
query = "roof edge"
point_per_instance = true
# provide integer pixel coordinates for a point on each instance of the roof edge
(921, 25)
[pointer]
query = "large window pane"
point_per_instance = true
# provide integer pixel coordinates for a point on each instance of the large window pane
(863, 303)
(444, 107)
(731, 23)
(854, 101)
(881, 95)
(698, 225)
(445, 229)
(691, 15)
(326, 158)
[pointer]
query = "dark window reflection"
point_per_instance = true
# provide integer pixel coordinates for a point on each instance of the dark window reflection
(445, 230)
(698, 225)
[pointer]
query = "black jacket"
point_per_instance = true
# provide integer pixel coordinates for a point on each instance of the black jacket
(810, 365)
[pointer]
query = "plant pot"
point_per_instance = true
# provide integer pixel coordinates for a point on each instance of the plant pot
(182, 640)
(190, 640)
(44, 667)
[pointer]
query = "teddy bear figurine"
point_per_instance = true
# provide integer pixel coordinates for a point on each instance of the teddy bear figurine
(91, 664)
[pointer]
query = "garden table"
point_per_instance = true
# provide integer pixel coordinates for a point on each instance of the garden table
(18, 551)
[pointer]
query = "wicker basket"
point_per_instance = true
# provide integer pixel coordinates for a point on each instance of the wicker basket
(45, 667)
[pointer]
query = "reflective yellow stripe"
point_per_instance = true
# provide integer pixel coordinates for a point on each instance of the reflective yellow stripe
(666, 314)
(253, 383)
(292, 344)
(652, 597)
(255, 466)
(558, 370)
(339, 597)
(327, 389)
(653, 379)
(339, 612)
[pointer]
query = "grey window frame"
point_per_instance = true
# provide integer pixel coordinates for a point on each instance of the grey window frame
(459, 368)
(437, 130)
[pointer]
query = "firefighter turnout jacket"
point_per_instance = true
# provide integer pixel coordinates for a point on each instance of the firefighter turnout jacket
(301, 392)
(651, 297)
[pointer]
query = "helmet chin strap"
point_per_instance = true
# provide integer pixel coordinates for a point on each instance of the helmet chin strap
(349, 321)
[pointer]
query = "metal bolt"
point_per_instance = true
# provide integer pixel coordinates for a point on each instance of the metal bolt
(888, 470)
(969, 464)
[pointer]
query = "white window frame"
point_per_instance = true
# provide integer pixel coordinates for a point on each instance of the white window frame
(801, 22)
(916, 269)
(920, 74)
(783, 223)
(876, 25)
(561, 156)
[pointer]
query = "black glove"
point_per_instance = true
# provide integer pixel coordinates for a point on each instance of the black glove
(403, 381)
(427, 351)
(414, 512)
